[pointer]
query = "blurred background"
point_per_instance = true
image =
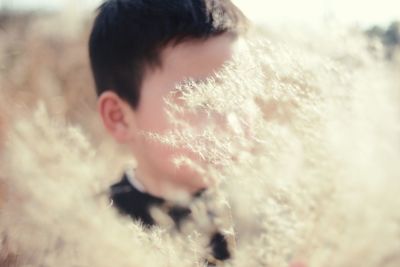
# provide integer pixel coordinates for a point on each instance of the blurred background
(359, 12)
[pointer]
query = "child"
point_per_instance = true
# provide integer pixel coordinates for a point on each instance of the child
(140, 50)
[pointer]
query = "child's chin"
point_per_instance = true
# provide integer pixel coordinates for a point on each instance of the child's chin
(198, 184)
(185, 191)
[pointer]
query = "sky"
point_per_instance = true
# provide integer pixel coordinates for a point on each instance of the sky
(359, 12)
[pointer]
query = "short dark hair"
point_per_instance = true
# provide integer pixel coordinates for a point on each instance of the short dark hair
(128, 36)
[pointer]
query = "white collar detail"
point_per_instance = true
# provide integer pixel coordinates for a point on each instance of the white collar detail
(130, 174)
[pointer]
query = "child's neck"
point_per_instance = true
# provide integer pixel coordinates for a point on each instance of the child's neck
(151, 185)
(161, 188)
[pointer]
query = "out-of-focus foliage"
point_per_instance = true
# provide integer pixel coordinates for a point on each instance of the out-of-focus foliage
(314, 122)
(390, 37)
(44, 60)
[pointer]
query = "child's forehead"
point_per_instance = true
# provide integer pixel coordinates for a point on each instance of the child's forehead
(221, 41)
(199, 58)
(189, 60)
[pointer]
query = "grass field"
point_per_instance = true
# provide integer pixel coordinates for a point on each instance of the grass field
(316, 176)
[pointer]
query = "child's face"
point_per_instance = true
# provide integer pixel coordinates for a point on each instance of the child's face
(191, 59)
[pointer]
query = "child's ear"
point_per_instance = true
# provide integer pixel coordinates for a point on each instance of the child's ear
(117, 116)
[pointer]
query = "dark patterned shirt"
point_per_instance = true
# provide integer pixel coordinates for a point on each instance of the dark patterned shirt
(130, 201)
